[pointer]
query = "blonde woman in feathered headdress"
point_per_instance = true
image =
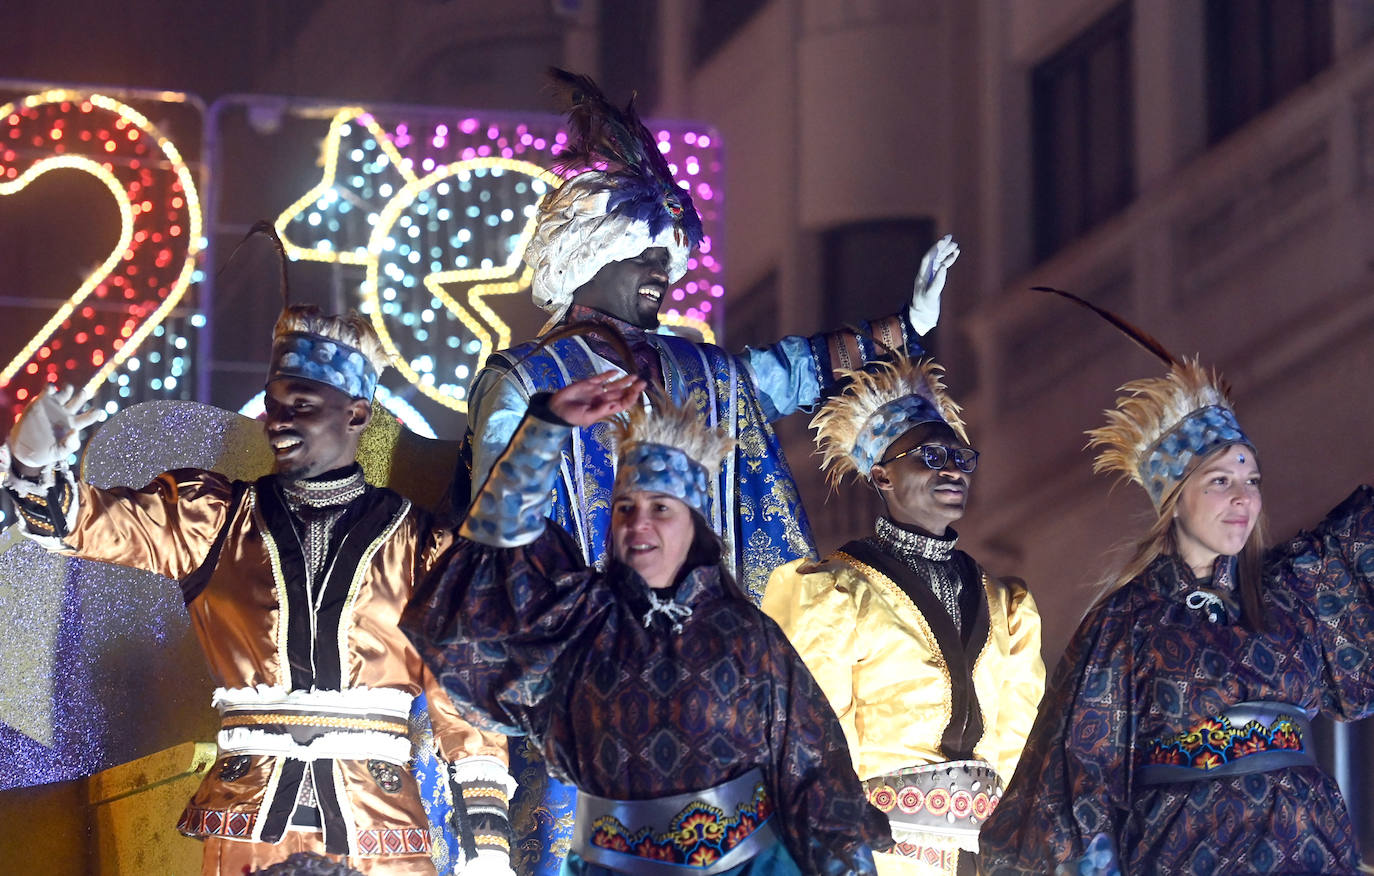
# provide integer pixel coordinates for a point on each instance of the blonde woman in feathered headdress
(1176, 735)
(696, 738)
(932, 665)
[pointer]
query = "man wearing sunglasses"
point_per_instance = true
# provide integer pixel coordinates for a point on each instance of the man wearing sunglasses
(932, 664)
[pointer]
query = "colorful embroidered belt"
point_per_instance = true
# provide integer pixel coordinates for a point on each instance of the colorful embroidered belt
(1253, 737)
(700, 832)
(950, 799)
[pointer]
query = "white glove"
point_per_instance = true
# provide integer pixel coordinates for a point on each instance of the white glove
(930, 282)
(49, 429)
(487, 863)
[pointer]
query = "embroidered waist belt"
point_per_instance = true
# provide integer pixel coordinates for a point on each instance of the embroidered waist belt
(1252, 737)
(950, 799)
(700, 832)
(357, 724)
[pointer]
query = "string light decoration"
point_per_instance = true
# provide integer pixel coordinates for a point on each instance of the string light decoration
(437, 212)
(130, 295)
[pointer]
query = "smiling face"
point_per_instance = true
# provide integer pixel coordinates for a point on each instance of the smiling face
(630, 289)
(651, 533)
(312, 428)
(1218, 506)
(915, 493)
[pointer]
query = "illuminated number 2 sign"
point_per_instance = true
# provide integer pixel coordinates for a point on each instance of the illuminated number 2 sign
(153, 261)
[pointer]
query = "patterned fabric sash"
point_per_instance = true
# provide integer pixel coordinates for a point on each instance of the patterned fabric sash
(700, 832)
(950, 799)
(1253, 737)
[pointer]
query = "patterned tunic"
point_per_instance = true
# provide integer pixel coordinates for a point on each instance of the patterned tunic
(537, 643)
(1148, 664)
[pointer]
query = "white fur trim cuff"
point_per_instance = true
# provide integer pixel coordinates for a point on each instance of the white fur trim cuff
(350, 745)
(482, 769)
(356, 701)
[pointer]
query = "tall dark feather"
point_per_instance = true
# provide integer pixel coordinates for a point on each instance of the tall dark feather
(264, 227)
(1133, 332)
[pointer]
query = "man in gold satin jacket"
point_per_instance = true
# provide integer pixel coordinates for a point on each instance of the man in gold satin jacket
(294, 583)
(932, 665)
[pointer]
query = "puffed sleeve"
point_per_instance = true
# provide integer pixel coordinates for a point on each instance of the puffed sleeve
(454, 736)
(492, 623)
(1330, 571)
(1073, 779)
(828, 824)
(496, 406)
(1023, 681)
(512, 594)
(167, 527)
(821, 621)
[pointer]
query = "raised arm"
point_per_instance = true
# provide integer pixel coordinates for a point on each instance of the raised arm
(168, 527)
(1330, 571)
(513, 594)
(496, 405)
(47, 433)
(796, 372)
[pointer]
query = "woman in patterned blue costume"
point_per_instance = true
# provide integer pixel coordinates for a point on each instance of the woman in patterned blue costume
(695, 736)
(1175, 736)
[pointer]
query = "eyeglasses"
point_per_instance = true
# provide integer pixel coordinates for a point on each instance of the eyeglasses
(937, 455)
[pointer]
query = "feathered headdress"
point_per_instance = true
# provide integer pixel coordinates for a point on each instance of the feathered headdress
(669, 450)
(880, 404)
(627, 202)
(1164, 426)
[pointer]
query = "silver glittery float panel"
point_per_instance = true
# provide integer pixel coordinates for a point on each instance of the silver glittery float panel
(98, 665)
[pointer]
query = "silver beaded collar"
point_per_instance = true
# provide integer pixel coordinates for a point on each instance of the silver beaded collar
(908, 545)
(324, 494)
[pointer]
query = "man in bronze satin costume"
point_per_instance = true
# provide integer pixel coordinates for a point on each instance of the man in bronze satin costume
(932, 665)
(294, 583)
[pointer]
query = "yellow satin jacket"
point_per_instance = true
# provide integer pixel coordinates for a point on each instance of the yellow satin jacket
(893, 685)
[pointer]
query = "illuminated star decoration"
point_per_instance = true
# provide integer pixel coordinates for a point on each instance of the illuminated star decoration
(438, 214)
(145, 275)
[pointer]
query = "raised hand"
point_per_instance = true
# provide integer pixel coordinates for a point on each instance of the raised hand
(595, 398)
(49, 429)
(930, 282)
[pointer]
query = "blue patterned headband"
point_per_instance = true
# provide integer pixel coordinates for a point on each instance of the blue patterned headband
(323, 360)
(887, 424)
(658, 468)
(1177, 452)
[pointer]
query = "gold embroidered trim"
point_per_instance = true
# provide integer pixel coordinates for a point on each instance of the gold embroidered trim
(295, 720)
(898, 595)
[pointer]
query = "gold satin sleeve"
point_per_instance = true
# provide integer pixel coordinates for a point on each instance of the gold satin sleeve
(820, 619)
(1023, 679)
(167, 527)
(455, 738)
